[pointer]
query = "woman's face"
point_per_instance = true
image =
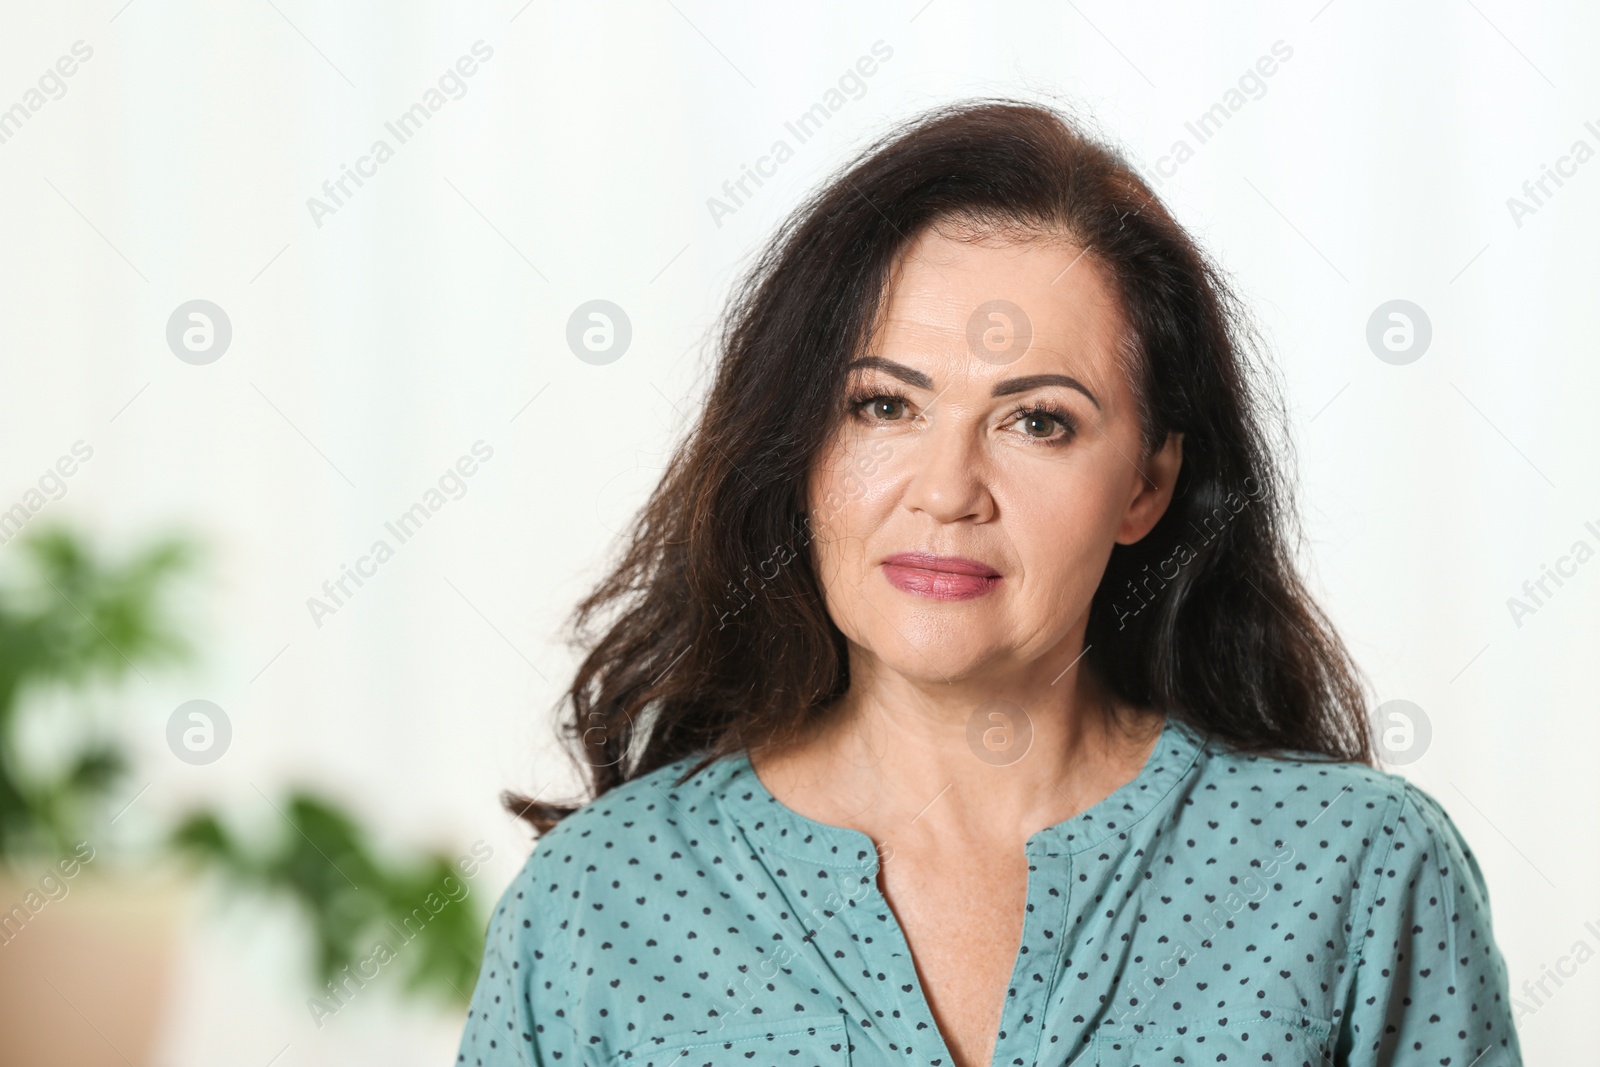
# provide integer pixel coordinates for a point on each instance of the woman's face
(964, 511)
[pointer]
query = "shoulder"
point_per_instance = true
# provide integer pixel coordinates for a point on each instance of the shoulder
(1297, 790)
(1304, 789)
(655, 810)
(604, 849)
(1398, 835)
(1429, 854)
(1364, 815)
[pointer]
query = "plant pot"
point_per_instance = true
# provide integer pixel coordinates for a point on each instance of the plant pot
(85, 962)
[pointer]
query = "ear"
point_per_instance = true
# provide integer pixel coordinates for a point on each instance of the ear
(1153, 491)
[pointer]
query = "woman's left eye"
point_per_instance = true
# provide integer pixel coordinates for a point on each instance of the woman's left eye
(1042, 423)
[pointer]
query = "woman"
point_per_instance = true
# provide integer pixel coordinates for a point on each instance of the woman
(956, 700)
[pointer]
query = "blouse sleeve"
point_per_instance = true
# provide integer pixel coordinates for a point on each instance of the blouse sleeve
(517, 1017)
(1430, 985)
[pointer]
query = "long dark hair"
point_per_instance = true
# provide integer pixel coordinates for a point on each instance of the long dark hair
(710, 633)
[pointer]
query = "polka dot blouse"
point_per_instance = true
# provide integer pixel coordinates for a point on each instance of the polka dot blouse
(1218, 908)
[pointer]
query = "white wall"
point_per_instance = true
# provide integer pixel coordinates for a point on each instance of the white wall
(370, 352)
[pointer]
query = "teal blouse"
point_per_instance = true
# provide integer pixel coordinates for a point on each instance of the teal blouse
(1218, 908)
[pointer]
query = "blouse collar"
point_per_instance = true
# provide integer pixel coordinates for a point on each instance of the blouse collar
(770, 824)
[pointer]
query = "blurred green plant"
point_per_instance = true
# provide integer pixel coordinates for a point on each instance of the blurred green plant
(419, 909)
(70, 619)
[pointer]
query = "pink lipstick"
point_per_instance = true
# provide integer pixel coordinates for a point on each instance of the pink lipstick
(939, 577)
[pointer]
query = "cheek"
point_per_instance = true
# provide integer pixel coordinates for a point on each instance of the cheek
(850, 491)
(850, 496)
(1062, 526)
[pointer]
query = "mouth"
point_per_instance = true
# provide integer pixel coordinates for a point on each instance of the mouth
(939, 577)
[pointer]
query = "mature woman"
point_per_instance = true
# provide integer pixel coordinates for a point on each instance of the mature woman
(956, 701)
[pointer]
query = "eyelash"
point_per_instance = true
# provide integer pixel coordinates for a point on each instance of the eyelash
(1040, 409)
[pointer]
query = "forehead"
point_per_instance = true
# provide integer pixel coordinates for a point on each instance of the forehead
(949, 289)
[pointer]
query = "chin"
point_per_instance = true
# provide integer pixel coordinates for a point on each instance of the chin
(934, 653)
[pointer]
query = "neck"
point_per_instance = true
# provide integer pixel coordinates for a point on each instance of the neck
(988, 761)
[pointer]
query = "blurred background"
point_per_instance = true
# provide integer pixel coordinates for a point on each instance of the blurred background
(338, 342)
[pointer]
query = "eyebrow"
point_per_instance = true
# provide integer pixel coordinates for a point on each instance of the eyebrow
(1004, 387)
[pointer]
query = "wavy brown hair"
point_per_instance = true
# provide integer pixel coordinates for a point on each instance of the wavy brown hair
(710, 634)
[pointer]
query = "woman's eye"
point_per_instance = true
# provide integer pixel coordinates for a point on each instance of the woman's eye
(1044, 425)
(883, 408)
(1039, 425)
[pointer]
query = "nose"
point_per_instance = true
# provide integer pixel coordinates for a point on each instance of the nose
(949, 476)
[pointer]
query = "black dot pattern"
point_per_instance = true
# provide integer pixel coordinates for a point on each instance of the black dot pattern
(1218, 908)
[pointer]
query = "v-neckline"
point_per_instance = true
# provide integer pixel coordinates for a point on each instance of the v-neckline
(787, 831)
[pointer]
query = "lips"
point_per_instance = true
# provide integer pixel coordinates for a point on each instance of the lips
(939, 577)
